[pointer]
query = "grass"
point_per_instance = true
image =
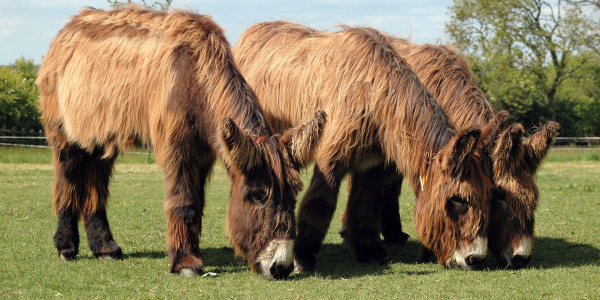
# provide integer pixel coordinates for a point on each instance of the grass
(565, 264)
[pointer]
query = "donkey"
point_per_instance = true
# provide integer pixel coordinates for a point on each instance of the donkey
(379, 113)
(513, 163)
(167, 79)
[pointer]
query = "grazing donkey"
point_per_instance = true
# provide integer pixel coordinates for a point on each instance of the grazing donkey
(447, 76)
(379, 113)
(167, 79)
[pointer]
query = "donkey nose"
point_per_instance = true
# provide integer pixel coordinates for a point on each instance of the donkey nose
(279, 271)
(475, 261)
(519, 261)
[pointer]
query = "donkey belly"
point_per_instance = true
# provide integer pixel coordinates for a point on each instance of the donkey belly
(367, 162)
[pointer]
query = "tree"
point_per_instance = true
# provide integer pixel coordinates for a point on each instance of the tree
(524, 50)
(18, 96)
(594, 3)
(160, 5)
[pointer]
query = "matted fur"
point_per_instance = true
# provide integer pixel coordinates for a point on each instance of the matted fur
(378, 112)
(447, 75)
(169, 80)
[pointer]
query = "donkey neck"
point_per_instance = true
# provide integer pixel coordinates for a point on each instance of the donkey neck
(447, 76)
(413, 127)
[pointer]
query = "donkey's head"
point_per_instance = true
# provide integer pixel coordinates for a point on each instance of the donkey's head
(515, 194)
(453, 204)
(260, 220)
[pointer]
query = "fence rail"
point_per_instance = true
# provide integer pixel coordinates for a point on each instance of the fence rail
(31, 138)
(24, 137)
(578, 141)
(16, 136)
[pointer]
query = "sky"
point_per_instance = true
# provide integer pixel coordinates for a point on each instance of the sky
(28, 26)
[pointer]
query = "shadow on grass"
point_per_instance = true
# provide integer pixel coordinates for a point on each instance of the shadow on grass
(549, 253)
(336, 261)
(145, 254)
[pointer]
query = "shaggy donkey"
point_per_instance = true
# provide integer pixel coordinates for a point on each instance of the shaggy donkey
(379, 112)
(513, 163)
(167, 79)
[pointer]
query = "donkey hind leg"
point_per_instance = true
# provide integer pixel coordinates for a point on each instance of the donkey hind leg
(363, 213)
(97, 175)
(185, 176)
(81, 189)
(385, 186)
(315, 212)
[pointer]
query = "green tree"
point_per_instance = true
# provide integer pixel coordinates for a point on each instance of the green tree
(577, 105)
(524, 50)
(160, 5)
(18, 95)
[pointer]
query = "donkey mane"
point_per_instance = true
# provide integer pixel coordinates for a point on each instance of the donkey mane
(359, 68)
(453, 79)
(169, 47)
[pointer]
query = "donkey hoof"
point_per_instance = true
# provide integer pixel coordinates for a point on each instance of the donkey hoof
(67, 255)
(66, 258)
(187, 272)
(305, 264)
(106, 257)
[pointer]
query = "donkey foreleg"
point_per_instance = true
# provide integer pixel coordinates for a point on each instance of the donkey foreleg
(66, 238)
(315, 213)
(185, 176)
(99, 236)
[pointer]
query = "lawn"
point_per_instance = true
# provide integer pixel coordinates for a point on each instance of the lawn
(565, 263)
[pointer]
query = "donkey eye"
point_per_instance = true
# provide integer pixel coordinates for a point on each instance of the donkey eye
(259, 196)
(499, 195)
(456, 206)
(457, 200)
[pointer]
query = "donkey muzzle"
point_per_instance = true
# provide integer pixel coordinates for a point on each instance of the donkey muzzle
(470, 258)
(277, 261)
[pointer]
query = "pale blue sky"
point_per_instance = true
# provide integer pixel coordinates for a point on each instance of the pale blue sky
(28, 26)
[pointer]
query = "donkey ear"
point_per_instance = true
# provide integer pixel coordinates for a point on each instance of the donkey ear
(239, 148)
(537, 146)
(461, 147)
(491, 131)
(508, 151)
(300, 143)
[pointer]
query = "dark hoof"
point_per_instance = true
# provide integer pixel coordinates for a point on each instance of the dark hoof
(397, 239)
(114, 253)
(187, 265)
(67, 254)
(304, 263)
(107, 257)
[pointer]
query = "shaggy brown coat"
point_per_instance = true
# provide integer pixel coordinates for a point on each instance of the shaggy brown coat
(448, 77)
(378, 112)
(166, 79)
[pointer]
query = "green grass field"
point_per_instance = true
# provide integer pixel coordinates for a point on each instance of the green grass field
(565, 263)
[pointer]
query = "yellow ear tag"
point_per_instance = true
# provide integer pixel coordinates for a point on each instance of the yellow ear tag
(422, 180)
